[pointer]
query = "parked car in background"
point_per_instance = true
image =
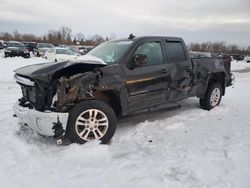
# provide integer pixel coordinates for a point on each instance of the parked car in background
(238, 57)
(1, 44)
(74, 50)
(58, 54)
(31, 46)
(42, 48)
(247, 59)
(14, 48)
(83, 49)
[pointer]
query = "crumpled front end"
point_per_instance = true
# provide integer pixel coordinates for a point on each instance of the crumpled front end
(45, 104)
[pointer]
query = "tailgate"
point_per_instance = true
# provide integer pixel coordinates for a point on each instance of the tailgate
(227, 65)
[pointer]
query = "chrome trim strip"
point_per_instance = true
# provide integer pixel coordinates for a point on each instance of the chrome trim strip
(23, 80)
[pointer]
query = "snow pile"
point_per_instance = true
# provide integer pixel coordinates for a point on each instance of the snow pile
(183, 147)
(239, 65)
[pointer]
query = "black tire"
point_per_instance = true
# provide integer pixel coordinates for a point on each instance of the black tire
(55, 60)
(206, 103)
(81, 108)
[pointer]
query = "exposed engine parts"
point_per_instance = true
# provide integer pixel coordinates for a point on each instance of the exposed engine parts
(76, 88)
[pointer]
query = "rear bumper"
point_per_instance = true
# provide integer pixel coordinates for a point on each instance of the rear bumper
(40, 122)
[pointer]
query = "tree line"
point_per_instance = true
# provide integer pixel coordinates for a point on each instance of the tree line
(61, 36)
(64, 36)
(219, 47)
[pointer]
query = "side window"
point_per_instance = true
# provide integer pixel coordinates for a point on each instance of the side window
(175, 52)
(153, 51)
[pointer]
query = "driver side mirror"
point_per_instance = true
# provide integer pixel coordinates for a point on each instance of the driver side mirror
(138, 60)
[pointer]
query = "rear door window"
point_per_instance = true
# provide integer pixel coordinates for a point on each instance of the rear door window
(175, 51)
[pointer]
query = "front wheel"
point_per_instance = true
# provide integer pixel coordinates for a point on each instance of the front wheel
(91, 120)
(212, 97)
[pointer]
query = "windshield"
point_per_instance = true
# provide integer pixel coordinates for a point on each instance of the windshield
(44, 45)
(110, 52)
(64, 51)
(15, 44)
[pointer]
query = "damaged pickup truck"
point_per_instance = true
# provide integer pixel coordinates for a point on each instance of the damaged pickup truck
(80, 100)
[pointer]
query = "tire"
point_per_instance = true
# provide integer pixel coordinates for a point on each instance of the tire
(55, 60)
(212, 97)
(82, 128)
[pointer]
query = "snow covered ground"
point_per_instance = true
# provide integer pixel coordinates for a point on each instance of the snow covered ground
(178, 148)
(239, 66)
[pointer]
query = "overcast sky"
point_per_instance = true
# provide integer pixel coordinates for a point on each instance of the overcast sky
(194, 20)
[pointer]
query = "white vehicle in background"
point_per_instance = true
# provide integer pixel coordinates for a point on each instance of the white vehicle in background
(42, 48)
(58, 54)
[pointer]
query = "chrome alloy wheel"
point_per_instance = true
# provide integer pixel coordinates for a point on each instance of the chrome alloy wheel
(91, 124)
(215, 97)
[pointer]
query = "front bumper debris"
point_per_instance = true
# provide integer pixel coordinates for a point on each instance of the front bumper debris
(42, 123)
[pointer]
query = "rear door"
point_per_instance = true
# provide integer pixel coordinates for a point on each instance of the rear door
(146, 85)
(180, 67)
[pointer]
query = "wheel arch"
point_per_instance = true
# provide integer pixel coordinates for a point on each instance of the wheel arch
(219, 77)
(110, 97)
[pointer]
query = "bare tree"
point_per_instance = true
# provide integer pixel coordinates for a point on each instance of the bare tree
(16, 35)
(97, 39)
(65, 33)
(80, 37)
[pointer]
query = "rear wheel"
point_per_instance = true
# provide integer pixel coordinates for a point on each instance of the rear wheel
(91, 120)
(212, 97)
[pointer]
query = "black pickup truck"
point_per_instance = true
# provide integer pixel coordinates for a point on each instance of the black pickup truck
(80, 100)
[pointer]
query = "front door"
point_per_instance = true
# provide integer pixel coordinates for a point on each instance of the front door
(146, 85)
(180, 68)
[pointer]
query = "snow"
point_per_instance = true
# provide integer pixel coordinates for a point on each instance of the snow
(180, 147)
(240, 66)
(8, 65)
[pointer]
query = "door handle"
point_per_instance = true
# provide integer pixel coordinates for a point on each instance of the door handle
(163, 71)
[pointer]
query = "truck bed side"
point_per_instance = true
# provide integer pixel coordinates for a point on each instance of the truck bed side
(205, 69)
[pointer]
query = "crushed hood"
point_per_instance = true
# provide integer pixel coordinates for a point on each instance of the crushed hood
(47, 71)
